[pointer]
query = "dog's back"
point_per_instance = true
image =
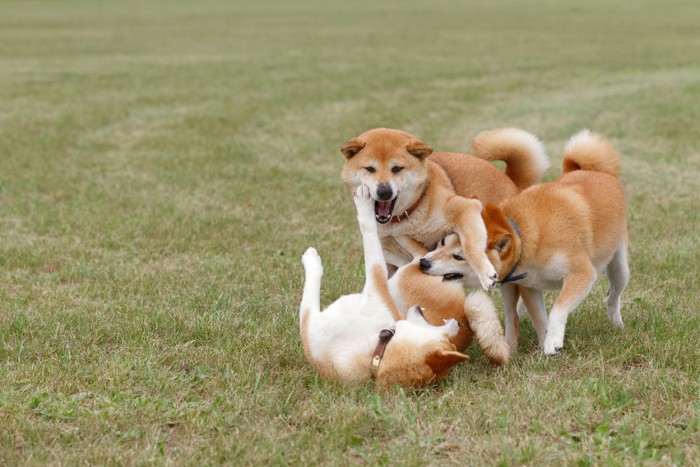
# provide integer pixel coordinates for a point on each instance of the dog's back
(582, 211)
(524, 155)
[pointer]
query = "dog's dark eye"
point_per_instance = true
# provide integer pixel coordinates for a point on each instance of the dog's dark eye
(458, 258)
(396, 169)
(370, 169)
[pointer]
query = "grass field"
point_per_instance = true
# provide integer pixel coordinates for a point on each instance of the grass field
(163, 166)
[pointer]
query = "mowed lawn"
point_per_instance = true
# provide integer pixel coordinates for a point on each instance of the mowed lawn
(164, 165)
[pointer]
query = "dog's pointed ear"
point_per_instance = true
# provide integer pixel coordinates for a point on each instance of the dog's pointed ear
(441, 361)
(502, 243)
(352, 147)
(419, 149)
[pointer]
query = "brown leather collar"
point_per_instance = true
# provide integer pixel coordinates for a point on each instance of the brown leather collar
(408, 211)
(384, 337)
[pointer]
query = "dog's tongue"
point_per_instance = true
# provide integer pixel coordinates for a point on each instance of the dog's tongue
(383, 208)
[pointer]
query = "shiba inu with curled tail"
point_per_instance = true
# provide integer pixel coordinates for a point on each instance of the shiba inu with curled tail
(364, 335)
(420, 196)
(558, 235)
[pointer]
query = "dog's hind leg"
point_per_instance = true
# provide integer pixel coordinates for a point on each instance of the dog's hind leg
(618, 273)
(310, 301)
(576, 286)
(311, 298)
(376, 282)
(536, 309)
(509, 293)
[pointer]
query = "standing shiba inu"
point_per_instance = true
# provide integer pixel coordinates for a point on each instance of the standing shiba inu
(420, 196)
(364, 335)
(559, 235)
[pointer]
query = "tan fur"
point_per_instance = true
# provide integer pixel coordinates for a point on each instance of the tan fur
(571, 229)
(442, 300)
(589, 151)
(304, 327)
(471, 176)
(483, 319)
(521, 169)
(398, 368)
(340, 341)
(373, 157)
(439, 301)
(380, 283)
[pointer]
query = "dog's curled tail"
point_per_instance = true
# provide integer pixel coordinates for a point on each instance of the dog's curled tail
(525, 157)
(482, 318)
(590, 151)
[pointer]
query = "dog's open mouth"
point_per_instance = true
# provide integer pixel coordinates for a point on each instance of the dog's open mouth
(383, 210)
(452, 276)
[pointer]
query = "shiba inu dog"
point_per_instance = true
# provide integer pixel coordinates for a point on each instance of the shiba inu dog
(443, 297)
(447, 260)
(364, 335)
(557, 235)
(420, 196)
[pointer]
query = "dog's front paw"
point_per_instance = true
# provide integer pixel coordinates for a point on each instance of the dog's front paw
(451, 327)
(554, 339)
(452, 323)
(488, 278)
(552, 346)
(363, 198)
(553, 342)
(365, 208)
(312, 261)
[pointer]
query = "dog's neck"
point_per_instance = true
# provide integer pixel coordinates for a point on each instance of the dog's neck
(512, 267)
(384, 337)
(407, 213)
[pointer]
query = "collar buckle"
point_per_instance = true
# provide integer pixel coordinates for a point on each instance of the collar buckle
(407, 213)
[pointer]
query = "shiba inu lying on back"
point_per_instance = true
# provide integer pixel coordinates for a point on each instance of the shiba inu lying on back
(557, 235)
(365, 335)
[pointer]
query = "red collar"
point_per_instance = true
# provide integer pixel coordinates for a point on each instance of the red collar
(407, 212)
(384, 338)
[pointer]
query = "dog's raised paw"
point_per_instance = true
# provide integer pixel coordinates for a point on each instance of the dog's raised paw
(365, 209)
(311, 260)
(452, 327)
(362, 194)
(488, 281)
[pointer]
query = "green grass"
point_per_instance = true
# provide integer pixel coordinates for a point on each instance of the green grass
(163, 166)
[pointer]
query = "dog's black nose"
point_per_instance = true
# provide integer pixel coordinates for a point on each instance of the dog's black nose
(424, 264)
(384, 192)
